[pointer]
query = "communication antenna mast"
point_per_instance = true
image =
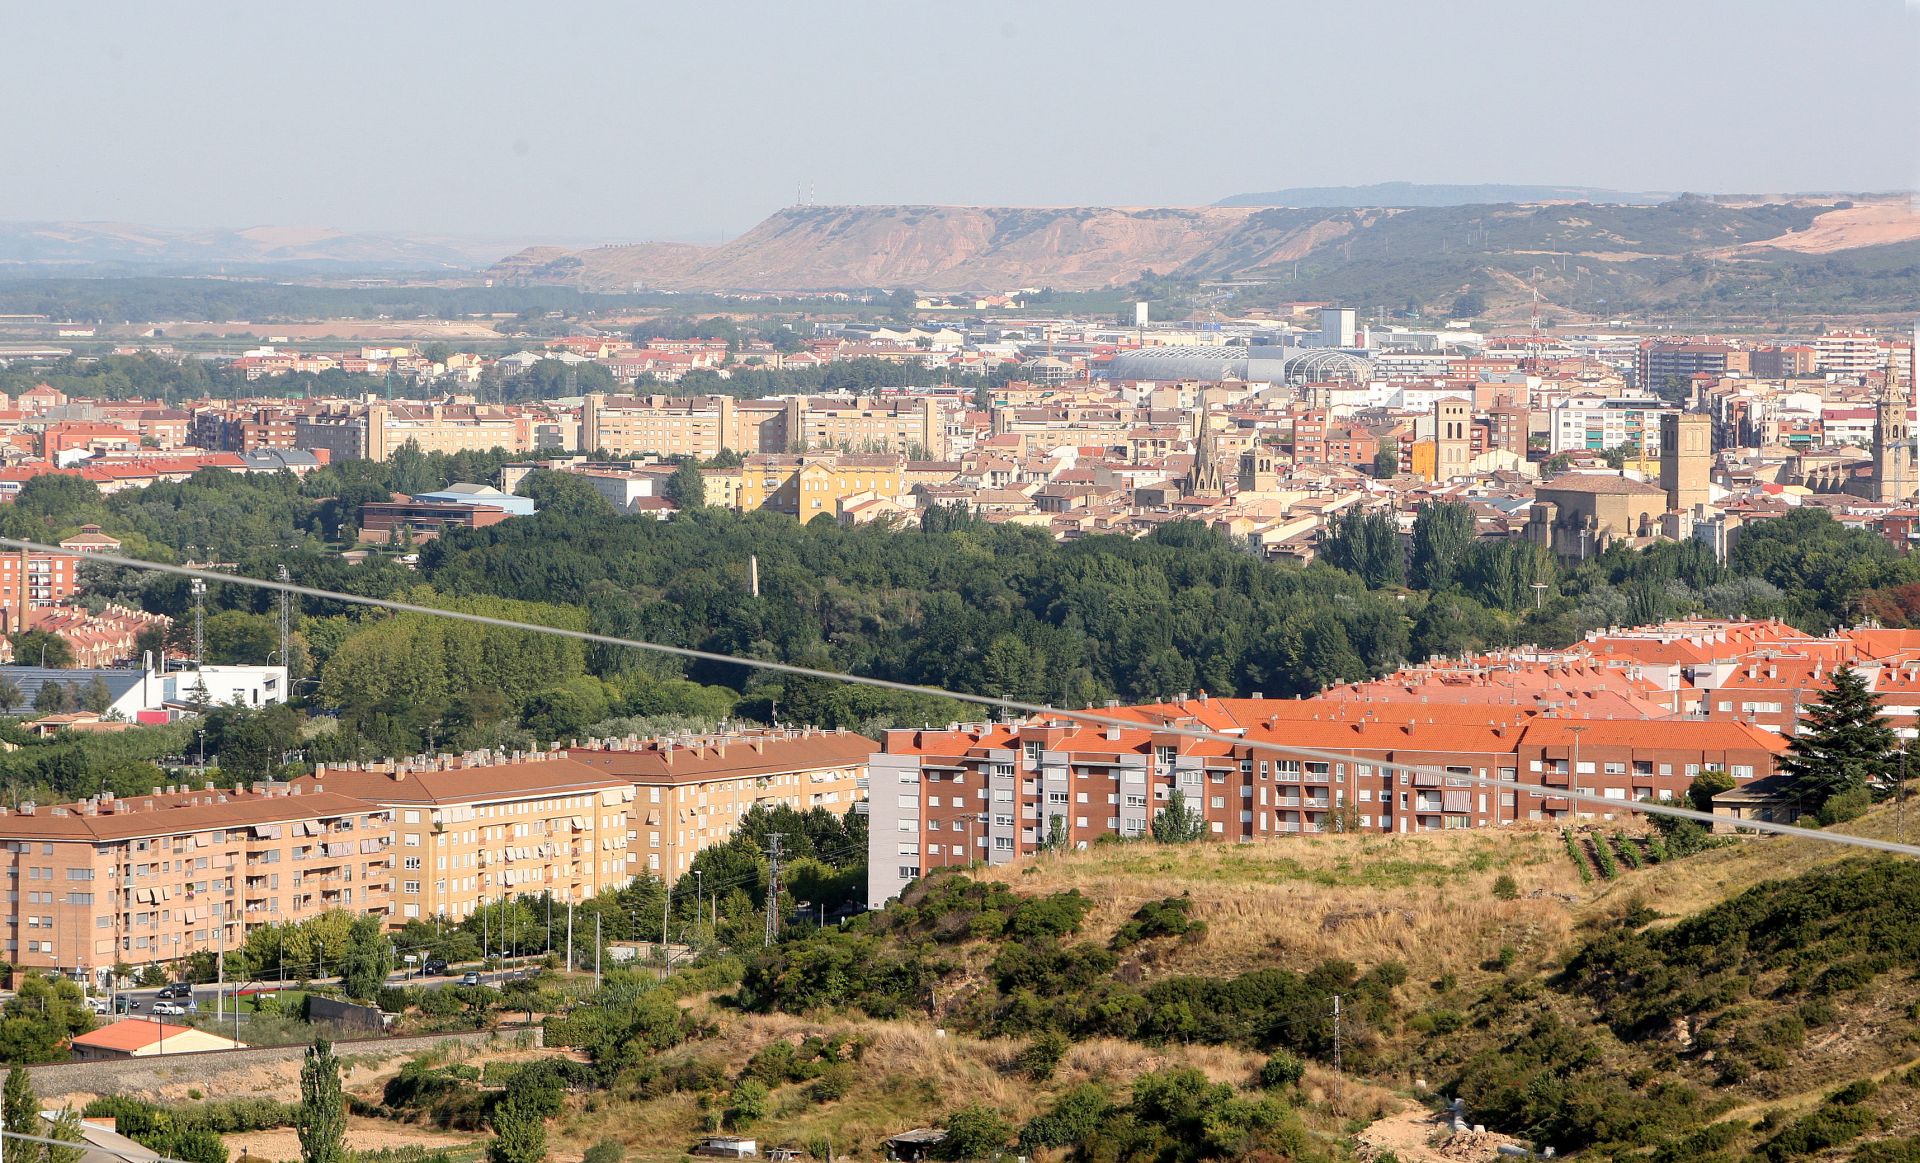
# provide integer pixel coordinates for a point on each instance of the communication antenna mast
(285, 612)
(773, 888)
(198, 589)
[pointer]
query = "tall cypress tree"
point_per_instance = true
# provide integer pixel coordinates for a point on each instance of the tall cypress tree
(1842, 743)
(322, 1119)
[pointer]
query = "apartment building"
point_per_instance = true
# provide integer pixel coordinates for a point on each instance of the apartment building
(1593, 424)
(995, 793)
(701, 426)
(689, 794)
(1849, 354)
(477, 828)
(32, 581)
(375, 431)
(156, 878)
(1661, 363)
(809, 484)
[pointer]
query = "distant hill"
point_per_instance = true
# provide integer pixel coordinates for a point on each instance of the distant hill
(1589, 259)
(1401, 194)
(70, 246)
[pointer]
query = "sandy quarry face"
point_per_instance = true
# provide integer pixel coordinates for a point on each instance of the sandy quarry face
(1875, 223)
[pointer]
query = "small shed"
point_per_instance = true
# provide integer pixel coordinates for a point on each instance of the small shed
(1772, 799)
(728, 1147)
(915, 1145)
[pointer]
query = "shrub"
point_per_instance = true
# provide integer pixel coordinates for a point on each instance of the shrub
(1281, 1070)
(1578, 857)
(1041, 1057)
(974, 1132)
(605, 1151)
(1603, 856)
(748, 1104)
(1829, 1126)
(834, 1083)
(1847, 805)
(1168, 917)
(1629, 851)
(1505, 887)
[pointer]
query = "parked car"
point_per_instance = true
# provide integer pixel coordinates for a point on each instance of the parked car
(470, 978)
(177, 989)
(97, 1005)
(169, 1009)
(434, 966)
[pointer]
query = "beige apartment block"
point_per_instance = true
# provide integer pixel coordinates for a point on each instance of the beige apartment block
(156, 878)
(473, 829)
(700, 426)
(692, 793)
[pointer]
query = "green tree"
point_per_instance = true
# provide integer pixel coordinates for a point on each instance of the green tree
(1706, 785)
(1365, 542)
(367, 960)
(1176, 823)
(1468, 305)
(19, 1105)
(321, 1120)
(10, 694)
(748, 1104)
(686, 488)
(41, 1019)
(95, 696)
(520, 1134)
(975, 1132)
(1386, 463)
(1442, 533)
(39, 648)
(66, 1128)
(1843, 744)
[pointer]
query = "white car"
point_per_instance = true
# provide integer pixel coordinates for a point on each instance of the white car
(169, 1009)
(97, 1004)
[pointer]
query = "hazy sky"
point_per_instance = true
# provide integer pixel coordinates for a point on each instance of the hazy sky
(645, 118)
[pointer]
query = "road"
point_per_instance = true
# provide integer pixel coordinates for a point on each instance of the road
(140, 1001)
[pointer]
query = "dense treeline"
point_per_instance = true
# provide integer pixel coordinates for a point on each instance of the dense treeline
(958, 603)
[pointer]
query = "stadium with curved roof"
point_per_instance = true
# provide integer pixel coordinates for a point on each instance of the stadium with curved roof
(1272, 365)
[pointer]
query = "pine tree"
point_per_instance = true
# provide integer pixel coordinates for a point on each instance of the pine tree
(1842, 745)
(321, 1121)
(19, 1106)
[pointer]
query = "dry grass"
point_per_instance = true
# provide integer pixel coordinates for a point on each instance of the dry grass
(1425, 900)
(1682, 887)
(908, 1076)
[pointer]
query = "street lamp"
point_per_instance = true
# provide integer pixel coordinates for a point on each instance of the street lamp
(699, 893)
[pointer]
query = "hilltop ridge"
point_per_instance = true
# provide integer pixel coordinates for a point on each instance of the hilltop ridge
(1587, 258)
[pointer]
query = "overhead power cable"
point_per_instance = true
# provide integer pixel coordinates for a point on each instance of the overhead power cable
(1100, 718)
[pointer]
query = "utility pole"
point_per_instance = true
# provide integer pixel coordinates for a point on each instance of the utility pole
(666, 910)
(569, 936)
(220, 973)
(285, 616)
(596, 951)
(773, 888)
(1337, 1068)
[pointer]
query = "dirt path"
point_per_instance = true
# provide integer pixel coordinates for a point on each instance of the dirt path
(1410, 1134)
(362, 1135)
